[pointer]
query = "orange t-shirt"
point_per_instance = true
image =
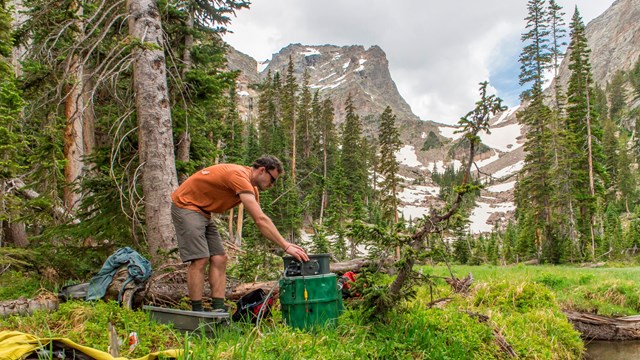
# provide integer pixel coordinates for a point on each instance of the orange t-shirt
(214, 189)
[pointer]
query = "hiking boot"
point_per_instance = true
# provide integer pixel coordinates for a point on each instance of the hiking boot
(220, 311)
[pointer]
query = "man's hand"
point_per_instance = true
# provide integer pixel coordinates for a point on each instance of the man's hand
(296, 251)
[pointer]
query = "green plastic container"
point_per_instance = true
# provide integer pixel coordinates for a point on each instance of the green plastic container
(322, 306)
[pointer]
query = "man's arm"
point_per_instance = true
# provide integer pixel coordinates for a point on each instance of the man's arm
(268, 229)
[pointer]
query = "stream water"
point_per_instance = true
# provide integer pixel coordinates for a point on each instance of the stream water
(613, 350)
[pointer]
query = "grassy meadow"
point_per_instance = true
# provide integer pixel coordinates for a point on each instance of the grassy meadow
(523, 304)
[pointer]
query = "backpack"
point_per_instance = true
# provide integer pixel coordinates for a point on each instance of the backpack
(249, 306)
(345, 282)
(138, 267)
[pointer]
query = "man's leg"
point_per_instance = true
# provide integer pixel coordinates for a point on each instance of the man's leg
(195, 282)
(192, 242)
(218, 280)
(217, 265)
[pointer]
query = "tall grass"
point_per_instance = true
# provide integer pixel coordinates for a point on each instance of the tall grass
(521, 303)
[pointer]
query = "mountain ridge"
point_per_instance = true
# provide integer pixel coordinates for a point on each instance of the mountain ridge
(336, 71)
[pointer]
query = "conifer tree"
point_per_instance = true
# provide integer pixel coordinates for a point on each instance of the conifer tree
(308, 162)
(626, 181)
(557, 33)
(13, 143)
(616, 91)
(337, 210)
(328, 142)
(270, 127)
(389, 140)
(353, 159)
(534, 187)
(610, 150)
(536, 55)
(289, 119)
(587, 170)
(634, 77)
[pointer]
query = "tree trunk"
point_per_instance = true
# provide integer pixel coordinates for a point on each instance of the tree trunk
(18, 51)
(15, 233)
(88, 115)
(238, 239)
(184, 139)
(592, 190)
(182, 152)
(324, 177)
(73, 109)
(155, 135)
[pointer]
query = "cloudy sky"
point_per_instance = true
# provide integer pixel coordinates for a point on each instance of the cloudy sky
(438, 51)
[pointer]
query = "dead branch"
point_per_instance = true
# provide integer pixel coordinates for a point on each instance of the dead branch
(460, 286)
(16, 184)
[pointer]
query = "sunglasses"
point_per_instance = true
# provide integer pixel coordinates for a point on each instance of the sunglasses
(271, 176)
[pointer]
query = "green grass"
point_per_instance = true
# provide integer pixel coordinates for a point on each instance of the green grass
(605, 291)
(522, 303)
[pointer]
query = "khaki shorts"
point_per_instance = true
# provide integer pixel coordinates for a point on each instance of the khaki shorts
(197, 236)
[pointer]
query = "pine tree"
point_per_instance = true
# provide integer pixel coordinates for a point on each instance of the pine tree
(270, 127)
(557, 33)
(328, 147)
(289, 119)
(308, 163)
(617, 101)
(337, 210)
(634, 77)
(389, 140)
(13, 143)
(626, 181)
(587, 170)
(535, 186)
(353, 156)
(536, 56)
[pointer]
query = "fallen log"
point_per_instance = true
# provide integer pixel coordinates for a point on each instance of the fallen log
(244, 289)
(356, 265)
(168, 285)
(597, 327)
(352, 265)
(24, 306)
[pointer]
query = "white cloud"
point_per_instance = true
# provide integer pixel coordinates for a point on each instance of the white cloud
(438, 51)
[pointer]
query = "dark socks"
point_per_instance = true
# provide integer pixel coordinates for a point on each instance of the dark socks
(217, 303)
(196, 305)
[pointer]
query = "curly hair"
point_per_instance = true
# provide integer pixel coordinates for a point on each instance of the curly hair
(269, 162)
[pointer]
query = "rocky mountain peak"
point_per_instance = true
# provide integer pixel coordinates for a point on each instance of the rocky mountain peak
(337, 71)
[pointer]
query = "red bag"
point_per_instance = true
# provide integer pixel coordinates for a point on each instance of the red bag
(344, 281)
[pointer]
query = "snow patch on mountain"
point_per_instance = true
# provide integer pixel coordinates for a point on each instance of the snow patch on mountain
(407, 156)
(262, 65)
(506, 115)
(412, 212)
(418, 193)
(481, 213)
(501, 187)
(502, 138)
(488, 161)
(509, 170)
(449, 132)
(440, 167)
(310, 51)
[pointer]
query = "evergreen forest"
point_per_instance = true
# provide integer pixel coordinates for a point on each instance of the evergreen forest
(105, 107)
